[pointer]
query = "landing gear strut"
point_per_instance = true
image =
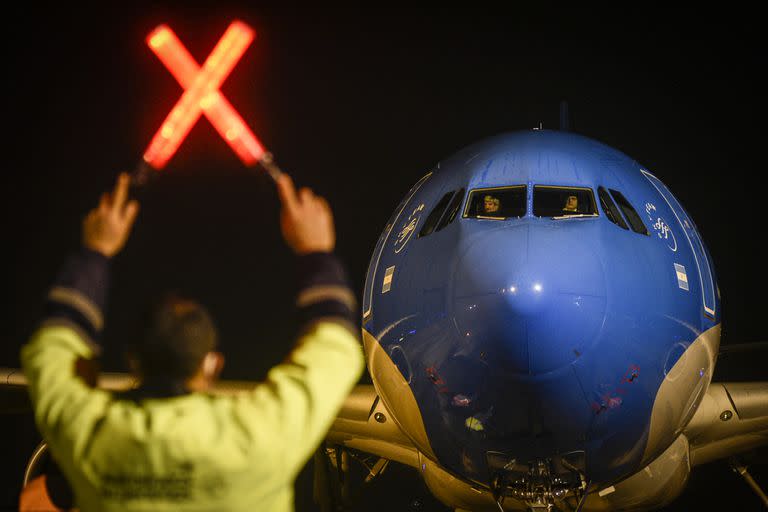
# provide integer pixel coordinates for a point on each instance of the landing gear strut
(742, 470)
(333, 487)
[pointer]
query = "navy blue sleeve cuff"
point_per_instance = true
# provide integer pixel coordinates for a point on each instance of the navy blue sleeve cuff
(324, 291)
(79, 293)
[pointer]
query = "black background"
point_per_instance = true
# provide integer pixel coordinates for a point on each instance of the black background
(359, 104)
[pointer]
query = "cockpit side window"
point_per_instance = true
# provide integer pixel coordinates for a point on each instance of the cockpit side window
(634, 219)
(496, 203)
(435, 214)
(561, 202)
(452, 210)
(610, 209)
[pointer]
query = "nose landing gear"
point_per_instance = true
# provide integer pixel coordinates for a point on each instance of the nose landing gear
(541, 485)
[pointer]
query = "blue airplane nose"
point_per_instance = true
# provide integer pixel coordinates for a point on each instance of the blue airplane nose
(526, 294)
(533, 292)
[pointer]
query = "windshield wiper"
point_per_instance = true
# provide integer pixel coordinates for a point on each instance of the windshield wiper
(578, 215)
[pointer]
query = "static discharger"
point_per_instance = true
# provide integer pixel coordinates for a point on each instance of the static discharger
(202, 96)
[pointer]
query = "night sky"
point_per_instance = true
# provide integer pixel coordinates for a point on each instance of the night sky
(359, 104)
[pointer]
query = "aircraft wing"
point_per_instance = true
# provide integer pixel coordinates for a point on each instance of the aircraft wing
(732, 418)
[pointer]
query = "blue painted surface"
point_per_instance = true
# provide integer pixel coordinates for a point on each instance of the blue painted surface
(533, 336)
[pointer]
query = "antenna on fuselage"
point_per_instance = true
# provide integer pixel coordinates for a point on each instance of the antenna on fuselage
(565, 118)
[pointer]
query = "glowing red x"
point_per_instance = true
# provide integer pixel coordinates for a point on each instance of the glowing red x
(202, 95)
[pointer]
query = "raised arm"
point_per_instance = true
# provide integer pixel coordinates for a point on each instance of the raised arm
(292, 411)
(56, 359)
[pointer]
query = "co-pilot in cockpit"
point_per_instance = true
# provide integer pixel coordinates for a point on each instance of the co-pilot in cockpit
(571, 204)
(491, 205)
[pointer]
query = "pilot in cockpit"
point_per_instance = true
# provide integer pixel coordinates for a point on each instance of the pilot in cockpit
(491, 205)
(571, 204)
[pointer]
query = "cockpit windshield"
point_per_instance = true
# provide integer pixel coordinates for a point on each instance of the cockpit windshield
(496, 203)
(560, 202)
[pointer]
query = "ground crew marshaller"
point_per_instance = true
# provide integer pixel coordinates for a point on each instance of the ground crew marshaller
(168, 445)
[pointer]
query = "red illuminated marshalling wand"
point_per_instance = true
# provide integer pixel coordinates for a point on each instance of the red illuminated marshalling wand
(202, 96)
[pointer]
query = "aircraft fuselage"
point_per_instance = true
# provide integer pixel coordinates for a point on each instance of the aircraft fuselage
(530, 335)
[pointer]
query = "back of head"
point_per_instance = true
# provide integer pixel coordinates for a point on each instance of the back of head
(179, 334)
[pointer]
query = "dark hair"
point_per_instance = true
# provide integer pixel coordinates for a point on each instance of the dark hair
(179, 334)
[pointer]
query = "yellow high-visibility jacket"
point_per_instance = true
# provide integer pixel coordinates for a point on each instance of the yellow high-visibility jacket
(195, 451)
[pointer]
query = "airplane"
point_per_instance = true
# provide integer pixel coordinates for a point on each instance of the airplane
(541, 322)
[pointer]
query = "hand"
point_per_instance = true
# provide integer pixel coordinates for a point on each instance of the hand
(106, 228)
(306, 219)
